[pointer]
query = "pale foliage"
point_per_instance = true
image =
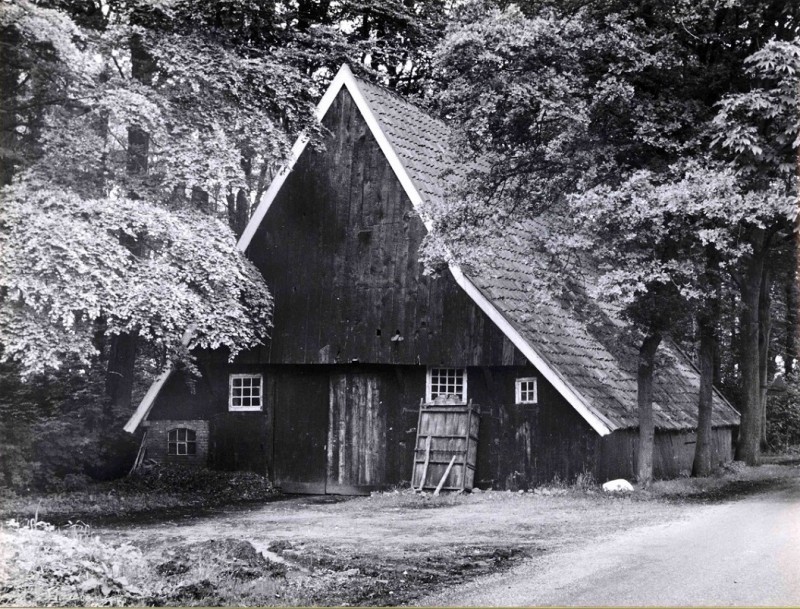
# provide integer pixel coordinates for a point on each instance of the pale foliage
(602, 127)
(88, 244)
(761, 127)
(656, 229)
(64, 266)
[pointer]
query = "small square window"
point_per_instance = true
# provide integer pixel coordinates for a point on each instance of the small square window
(246, 392)
(181, 441)
(526, 391)
(446, 385)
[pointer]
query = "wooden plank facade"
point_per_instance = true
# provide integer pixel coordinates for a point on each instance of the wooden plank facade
(339, 248)
(357, 325)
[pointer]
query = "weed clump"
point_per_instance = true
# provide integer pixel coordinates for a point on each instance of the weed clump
(70, 566)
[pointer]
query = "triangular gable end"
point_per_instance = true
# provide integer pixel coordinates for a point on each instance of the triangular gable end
(345, 78)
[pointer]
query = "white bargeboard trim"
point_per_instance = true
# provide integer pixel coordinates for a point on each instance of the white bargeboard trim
(344, 79)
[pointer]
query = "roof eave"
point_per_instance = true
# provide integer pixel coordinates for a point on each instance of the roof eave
(596, 420)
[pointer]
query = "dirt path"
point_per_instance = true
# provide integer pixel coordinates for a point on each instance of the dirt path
(411, 522)
(745, 552)
(393, 548)
(680, 542)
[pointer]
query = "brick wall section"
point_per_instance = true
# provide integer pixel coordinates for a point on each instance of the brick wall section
(157, 434)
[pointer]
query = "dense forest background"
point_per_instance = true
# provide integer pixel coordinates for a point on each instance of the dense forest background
(136, 137)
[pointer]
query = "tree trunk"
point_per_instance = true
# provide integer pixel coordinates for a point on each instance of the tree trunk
(708, 346)
(9, 97)
(200, 200)
(747, 446)
(644, 381)
(764, 330)
(121, 367)
(790, 344)
(122, 353)
(138, 150)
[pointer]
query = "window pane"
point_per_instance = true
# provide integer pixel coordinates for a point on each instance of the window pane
(246, 392)
(191, 448)
(447, 382)
(526, 391)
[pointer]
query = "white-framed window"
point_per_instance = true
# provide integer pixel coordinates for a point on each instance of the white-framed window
(527, 390)
(181, 441)
(446, 384)
(246, 392)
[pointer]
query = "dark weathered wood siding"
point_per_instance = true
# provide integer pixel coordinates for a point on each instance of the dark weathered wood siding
(237, 440)
(672, 455)
(339, 248)
(351, 428)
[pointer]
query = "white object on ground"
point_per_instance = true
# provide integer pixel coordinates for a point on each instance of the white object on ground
(618, 485)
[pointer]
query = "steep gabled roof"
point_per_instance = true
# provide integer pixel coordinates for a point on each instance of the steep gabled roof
(584, 350)
(579, 353)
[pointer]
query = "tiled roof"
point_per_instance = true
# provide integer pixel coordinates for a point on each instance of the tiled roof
(582, 341)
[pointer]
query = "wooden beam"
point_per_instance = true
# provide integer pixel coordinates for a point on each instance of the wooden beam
(446, 473)
(427, 462)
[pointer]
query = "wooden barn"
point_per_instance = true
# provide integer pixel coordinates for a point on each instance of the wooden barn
(520, 387)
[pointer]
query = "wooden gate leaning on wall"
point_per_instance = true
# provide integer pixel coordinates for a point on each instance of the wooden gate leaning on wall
(446, 433)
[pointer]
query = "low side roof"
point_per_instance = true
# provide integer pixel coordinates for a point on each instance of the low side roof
(585, 350)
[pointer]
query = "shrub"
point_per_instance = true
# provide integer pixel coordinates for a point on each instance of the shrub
(210, 485)
(59, 430)
(783, 416)
(50, 567)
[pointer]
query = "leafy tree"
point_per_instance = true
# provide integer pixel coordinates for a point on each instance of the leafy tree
(609, 119)
(693, 216)
(759, 129)
(112, 132)
(559, 105)
(184, 273)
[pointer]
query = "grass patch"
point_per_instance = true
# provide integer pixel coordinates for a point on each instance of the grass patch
(730, 482)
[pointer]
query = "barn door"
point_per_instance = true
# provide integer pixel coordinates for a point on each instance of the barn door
(356, 434)
(301, 430)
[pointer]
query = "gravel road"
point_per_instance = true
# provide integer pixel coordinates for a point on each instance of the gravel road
(744, 552)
